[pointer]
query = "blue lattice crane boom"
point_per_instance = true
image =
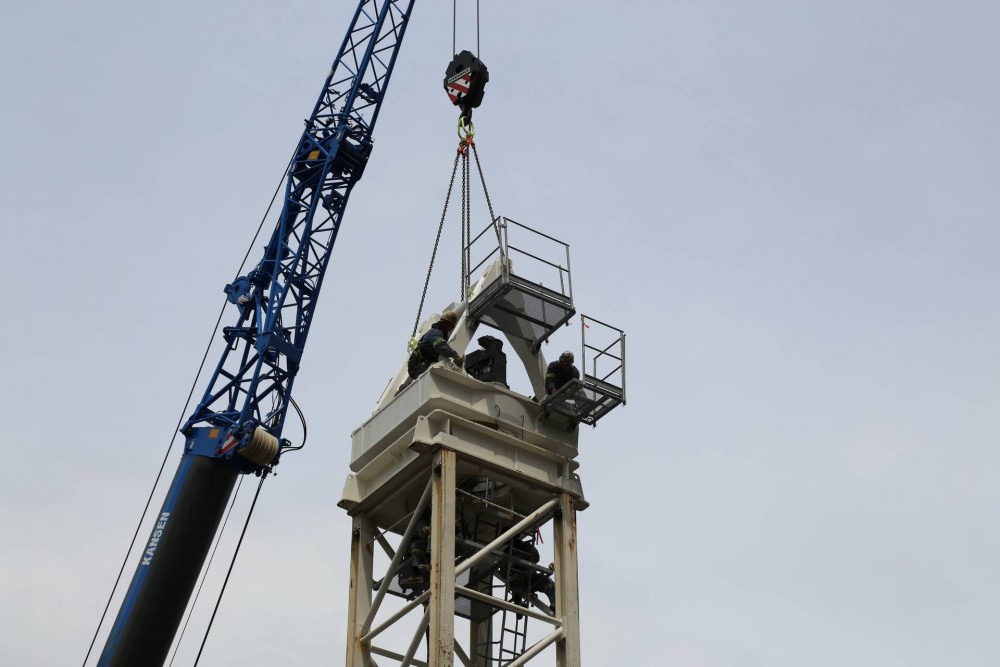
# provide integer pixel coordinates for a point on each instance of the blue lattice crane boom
(236, 427)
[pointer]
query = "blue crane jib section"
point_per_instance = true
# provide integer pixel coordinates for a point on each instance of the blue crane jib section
(251, 386)
(243, 410)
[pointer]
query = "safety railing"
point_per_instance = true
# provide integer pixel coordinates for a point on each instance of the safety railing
(533, 294)
(601, 387)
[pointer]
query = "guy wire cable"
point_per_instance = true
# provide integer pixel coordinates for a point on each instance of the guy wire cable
(180, 420)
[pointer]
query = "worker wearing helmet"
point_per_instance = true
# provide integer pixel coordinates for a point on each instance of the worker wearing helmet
(433, 345)
(560, 372)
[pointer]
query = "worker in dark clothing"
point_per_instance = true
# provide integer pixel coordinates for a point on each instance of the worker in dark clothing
(523, 581)
(543, 584)
(560, 372)
(415, 570)
(433, 345)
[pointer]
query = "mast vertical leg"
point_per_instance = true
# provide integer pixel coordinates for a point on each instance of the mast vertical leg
(362, 560)
(441, 651)
(480, 628)
(567, 588)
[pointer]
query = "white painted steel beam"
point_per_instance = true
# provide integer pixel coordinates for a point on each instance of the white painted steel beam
(537, 648)
(513, 532)
(396, 559)
(396, 656)
(567, 585)
(359, 602)
(415, 642)
(407, 608)
(509, 606)
(442, 539)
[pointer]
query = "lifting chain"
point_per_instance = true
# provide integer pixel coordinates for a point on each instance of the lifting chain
(489, 204)
(466, 135)
(437, 241)
(465, 225)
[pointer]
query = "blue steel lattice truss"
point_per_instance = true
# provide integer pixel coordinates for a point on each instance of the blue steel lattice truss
(251, 387)
(252, 383)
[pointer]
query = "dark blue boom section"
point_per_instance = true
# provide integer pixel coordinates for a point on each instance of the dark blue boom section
(236, 427)
(276, 300)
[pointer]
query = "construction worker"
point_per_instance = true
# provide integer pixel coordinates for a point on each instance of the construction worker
(524, 582)
(560, 372)
(415, 570)
(557, 375)
(433, 345)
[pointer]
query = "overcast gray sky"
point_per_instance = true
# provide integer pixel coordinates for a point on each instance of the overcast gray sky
(789, 206)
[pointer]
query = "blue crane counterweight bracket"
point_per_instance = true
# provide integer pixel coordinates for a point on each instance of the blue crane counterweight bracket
(465, 82)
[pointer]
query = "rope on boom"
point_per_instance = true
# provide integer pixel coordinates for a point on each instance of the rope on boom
(236, 553)
(180, 420)
(204, 574)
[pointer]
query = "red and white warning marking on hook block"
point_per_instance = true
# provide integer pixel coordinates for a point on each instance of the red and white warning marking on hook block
(458, 85)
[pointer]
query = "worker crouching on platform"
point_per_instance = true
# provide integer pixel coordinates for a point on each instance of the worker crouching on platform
(560, 372)
(433, 346)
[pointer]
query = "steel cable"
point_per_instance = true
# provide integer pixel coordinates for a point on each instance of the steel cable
(232, 563)
(204, 575)
(180, 420)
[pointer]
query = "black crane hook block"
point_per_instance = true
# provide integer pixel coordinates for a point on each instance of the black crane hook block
(465, 81)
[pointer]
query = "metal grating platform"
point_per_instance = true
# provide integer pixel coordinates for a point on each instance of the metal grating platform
(533, 295)
(602, 386)
(585, 402)
(522, 309)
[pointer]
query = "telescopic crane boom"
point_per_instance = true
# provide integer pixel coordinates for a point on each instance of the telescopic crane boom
(236, 427)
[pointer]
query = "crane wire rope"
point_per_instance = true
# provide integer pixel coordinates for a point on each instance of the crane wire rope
(466, 132)
(232, 563)
(180, 420)
(454, 24)
(204, 574)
